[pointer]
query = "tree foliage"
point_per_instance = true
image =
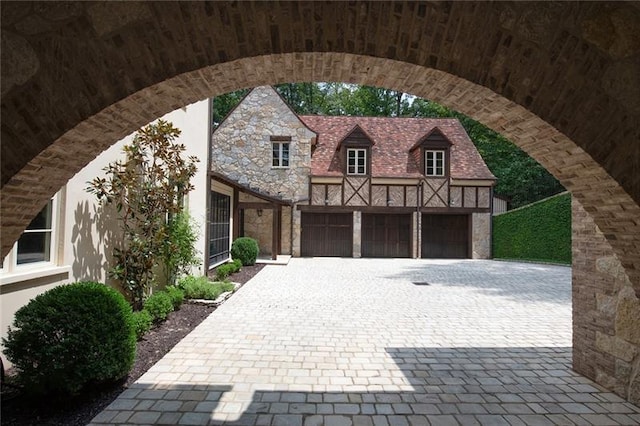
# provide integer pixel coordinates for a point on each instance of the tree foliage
(520, 178)
(146, 188)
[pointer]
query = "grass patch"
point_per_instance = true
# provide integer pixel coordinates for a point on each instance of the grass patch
(538, 232)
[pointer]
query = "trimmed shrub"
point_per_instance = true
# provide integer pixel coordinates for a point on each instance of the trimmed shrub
(176, 295)
(72, 336)
(202, 288)
(223, 271)
(159, 306)
(142, 323)
(238, 264)
(246, 249)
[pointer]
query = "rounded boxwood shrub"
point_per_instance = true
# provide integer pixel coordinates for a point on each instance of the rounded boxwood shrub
(246, 249)
(176, 295)
(159, 306)
(142, 323)
(71, 336)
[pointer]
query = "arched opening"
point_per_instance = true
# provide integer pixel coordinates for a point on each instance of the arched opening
(557, 87)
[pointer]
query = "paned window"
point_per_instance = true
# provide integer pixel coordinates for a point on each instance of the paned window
(36, 245)
(356, 161)
(219, 228)
(434, 162)
(280, 154)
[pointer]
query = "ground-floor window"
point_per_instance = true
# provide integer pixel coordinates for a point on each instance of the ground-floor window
(219, 228)
(36, 244)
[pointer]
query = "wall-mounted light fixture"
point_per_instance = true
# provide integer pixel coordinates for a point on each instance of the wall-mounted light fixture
(259, 212)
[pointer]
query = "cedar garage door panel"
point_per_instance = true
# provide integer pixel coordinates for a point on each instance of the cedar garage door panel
(327, 234)
(386, 235)
(445, 236)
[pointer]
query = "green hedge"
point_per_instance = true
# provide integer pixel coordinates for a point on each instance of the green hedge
(539, 232)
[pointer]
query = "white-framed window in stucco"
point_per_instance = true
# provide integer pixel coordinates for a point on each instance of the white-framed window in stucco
(280, 147)
(357, 161)
(37, 246)
(434, 163)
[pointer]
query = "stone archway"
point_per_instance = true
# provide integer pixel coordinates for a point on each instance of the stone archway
(560, 80)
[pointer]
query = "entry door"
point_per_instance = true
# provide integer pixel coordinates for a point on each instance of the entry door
(386, 235)
(327, 234)
(445, 236)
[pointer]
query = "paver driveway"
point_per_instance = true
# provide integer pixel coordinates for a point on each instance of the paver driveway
(379, 342)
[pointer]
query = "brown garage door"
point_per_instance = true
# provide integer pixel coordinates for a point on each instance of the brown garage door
(445, 236)
(327, 234)
(386, 235)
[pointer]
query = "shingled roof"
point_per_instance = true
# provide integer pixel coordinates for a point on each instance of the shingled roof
(393, 139)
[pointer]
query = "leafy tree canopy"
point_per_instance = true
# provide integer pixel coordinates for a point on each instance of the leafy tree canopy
(520, 177)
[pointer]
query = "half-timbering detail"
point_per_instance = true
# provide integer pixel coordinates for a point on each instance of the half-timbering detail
(435, 193)
(356, 191)
(392, 168)
(359, 186)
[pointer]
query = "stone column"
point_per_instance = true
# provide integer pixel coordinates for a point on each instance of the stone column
(416, 241)
(357, 234)
(606, 312)
(296, 218)
(481, 235)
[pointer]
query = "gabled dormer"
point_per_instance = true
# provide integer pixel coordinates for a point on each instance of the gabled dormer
(355, 151)
(432, 153)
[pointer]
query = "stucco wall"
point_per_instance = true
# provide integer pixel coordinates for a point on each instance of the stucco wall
(87, 231)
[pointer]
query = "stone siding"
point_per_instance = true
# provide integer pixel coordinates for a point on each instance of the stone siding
(606, 312)
(241, 148)
(357, 234)
(481, 235)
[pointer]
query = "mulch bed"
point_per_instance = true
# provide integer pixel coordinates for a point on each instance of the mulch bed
(18, 409)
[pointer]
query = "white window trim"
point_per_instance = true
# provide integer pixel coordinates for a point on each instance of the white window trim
(435, 160)
(280, 159)
(357, 151)
(11, 272)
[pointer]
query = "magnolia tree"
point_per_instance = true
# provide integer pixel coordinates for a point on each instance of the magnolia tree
(147, 189)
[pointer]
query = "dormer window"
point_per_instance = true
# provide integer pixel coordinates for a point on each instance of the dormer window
(434, 162)
(356, 161)
(355, 149)
(431, 153)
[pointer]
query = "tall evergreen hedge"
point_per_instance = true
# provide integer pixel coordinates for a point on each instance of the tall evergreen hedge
(538, 232)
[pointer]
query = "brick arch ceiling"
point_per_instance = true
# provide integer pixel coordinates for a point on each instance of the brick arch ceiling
(562, 80)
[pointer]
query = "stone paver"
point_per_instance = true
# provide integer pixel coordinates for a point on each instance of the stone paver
(379, 342)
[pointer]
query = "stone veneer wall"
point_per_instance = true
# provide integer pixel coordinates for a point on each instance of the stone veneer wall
(259, 228)
(481, 235)
(242, 149)
(606, 312)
